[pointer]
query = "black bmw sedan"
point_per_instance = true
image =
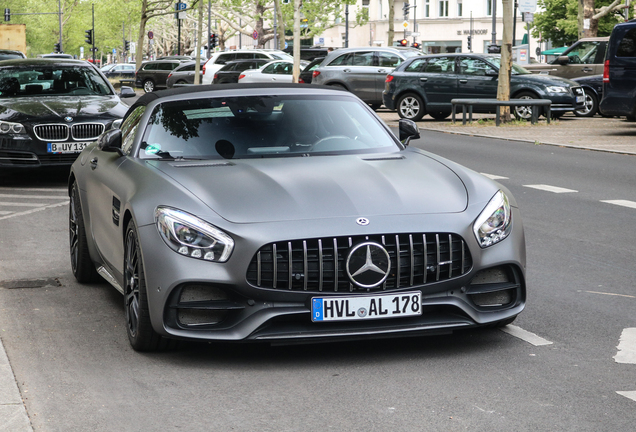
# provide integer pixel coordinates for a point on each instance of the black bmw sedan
(50, 109)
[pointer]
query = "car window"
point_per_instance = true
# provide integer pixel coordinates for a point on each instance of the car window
(627, 46)
(270, 68)
(440, 65)
(416, 66)
(283, 68)
(187, 68)
(150, 66)
(260, 56)
(343, 60)
(244, 56)
(387, 59)
(583, 53)
(224, 58)
(129, 67)
(475, 67)
(263, 126)
(51, 80)
(129, 128)
(363, 58)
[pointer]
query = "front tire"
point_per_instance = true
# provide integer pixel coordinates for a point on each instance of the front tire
(410, 106)
(524, 112)
(590, 108)
(141, 335)
(149, 86)
(81, 264)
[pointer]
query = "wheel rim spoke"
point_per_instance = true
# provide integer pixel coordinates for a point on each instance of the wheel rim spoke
(131, 291)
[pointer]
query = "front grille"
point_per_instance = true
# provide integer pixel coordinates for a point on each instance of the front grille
(83, 131)
(319, 264)
(51, 132)
(17, 158)
(64, 158)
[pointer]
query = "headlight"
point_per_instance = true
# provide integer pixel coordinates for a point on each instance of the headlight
(188, 235)
(8, 127)
(495, 221)
(556, 89)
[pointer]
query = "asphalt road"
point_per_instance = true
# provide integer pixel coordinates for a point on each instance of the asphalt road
(67, 346)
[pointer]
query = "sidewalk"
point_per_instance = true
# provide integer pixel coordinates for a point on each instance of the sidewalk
(615, 135)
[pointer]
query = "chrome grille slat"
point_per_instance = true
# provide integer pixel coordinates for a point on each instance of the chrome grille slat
(51, 132)
(430, 258)
(86, 131)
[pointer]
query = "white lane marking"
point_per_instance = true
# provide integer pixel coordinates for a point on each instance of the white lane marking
(494, 177)
(2, 213)
(24, 213)
(33, 196)
(549, 188)
(610, 294)
(525, 335)
(628, 394)
(34, 189)
(14, 204)
(627, 347)
(622, 203)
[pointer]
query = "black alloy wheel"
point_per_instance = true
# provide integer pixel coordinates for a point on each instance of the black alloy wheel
(149, 86)
(81, 263)
(410, 106)
(591, 106)
(141, 335)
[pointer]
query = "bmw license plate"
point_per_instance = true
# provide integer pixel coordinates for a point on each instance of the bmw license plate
(72, 147)
(580, 99)
(366, 307)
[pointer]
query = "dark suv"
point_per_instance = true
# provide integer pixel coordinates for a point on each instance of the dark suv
(153, 74)
(427, 84)
(619, 72)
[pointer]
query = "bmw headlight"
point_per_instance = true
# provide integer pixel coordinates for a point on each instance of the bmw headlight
(495, 221)
(556, 89)
(190, 236)
(13, 128)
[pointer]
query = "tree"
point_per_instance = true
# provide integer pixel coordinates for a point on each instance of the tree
(503, 88)
(391, 23)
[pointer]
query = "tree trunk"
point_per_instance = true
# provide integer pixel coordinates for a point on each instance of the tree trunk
(391, 22)
(586, 12)
(142, 31)
(503, 89)
(197, 66)
(296, 68)
(281, 26)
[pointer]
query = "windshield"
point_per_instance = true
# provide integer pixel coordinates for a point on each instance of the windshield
(281, 56)
(409, 53)
(263, 126)
(54, 80)
(515, 70)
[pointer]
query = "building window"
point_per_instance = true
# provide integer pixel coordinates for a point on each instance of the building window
(459, 8)
(427, 9)
(488, 7)
(365, 3)
(443, 8)
(380, 10)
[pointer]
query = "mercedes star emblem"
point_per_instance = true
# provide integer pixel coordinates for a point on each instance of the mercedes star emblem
(362, 221)
(368, 264)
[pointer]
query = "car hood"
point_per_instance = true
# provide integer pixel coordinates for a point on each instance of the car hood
(545, 79)
(45, 109)
(280, 189)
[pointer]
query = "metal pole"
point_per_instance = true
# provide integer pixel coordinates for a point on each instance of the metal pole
(123, 42)
(514, 24)
(240, 34)
(494, 22)
(414, 20)
(346, 26)
(209, 27)
(59, 3)
(275, 27)
(93, 38)
(471, 32)
(178, 34)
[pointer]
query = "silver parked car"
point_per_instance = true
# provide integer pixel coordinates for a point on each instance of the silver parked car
(284, 213)
(362, 71)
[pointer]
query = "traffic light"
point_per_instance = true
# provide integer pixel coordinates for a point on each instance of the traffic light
(58, 48)
(470, 44)
(126, 45)
(404, 42)
(406, 8)
(416, 45)
(7, 14)
(89, 37)
(213, 40)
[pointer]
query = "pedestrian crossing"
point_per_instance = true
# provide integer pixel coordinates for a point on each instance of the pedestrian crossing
(16, 202)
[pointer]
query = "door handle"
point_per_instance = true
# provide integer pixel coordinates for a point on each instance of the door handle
(93, 163)
(381, 71)
(423, 79)
(463, 81)
(587, 69)
(347, 70)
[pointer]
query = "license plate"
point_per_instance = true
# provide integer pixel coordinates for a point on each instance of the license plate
(72, 147)
(580, 99)
(366, 307)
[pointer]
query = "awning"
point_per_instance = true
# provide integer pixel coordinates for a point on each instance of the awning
(555, 51)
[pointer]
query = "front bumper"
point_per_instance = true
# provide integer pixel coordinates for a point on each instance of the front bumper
(249, 313)
(28, 152)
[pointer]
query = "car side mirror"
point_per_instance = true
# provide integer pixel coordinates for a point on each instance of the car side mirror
(127, 92)
(408, 131)
(563, 60)
(110, 141)
(492, 73)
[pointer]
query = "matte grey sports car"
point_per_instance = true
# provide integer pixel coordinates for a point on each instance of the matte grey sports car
(284, 213)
